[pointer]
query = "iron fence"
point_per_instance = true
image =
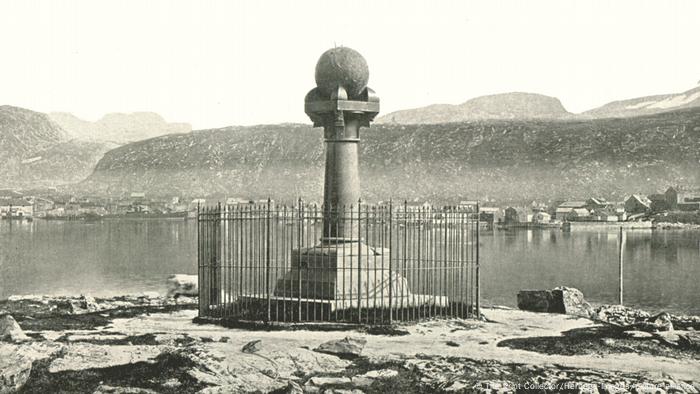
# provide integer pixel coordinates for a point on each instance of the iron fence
(277, 263)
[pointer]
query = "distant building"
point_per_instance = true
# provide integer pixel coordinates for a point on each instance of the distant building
(468, 205)
(682, 199)
(604, 215)
(541, 217)
(516, 215)
(197, 203)
(637, 203)
(563, 210)
(578, 215)
(489, 214)
(137, 197)
(42, 204)
(659, 202)
(597, 203)
(16, 208)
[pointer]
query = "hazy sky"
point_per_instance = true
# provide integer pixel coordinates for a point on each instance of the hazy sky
(219, 63)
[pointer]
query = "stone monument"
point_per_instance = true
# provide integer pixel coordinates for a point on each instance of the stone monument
(341, 267)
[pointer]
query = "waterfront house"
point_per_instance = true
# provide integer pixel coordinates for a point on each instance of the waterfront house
(621, 214)
(541, 217)
(16, 208)
(637, 203)
(468, 205)
(489, 214)
(516, 215)
(42, 205)
(604, 215)
(578, 215)
(563, 210)
(236, 201)
(659, 202)
(595, 203)
(682, 199)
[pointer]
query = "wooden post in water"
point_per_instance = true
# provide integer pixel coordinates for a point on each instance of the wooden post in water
(621, 263)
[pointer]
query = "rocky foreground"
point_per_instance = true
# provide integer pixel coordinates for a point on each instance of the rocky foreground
(149, 344)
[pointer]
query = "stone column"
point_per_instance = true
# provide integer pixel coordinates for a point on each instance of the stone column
(341, 103)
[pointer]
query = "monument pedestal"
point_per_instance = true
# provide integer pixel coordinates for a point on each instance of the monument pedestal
(348, 275)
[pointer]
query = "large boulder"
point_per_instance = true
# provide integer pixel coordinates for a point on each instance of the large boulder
(565, 300)
(10, 331)
(83, 304)
(15, 369)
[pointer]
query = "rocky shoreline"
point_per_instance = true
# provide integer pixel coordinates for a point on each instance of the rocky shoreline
(148, 344)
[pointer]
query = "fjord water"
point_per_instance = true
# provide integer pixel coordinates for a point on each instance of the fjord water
(114, 257)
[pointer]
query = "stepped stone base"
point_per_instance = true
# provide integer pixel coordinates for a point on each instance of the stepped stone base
(342, 271)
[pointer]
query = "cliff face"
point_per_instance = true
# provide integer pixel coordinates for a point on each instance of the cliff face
(508, 160)
(497, 106)
(118, 128)
(35, 151)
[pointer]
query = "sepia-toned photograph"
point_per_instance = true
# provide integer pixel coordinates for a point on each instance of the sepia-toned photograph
(350, 197)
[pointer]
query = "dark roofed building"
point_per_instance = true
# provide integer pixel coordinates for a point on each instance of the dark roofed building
(637, 203)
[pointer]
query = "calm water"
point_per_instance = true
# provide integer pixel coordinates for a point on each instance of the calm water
(662, 269)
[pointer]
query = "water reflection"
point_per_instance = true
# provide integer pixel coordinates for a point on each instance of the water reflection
(660, 267)
(101, 258)
(118, 256)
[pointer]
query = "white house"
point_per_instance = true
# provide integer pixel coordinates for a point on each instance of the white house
(16, 208)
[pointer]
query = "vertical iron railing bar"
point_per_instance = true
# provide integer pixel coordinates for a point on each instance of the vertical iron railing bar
(268, 247)
(284, 262)
(299, 251)
(477, 273)
(391, 257)
(404, 249)
(199, 263)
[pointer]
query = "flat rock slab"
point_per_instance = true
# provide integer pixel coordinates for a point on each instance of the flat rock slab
(82, 356)
(347, 347)
(226, 368)
(104, 389)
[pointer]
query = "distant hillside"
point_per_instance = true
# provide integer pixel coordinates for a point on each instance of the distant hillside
(118, 128)
(647, 105)
(497, 106)
(508, 160)
(35, 151)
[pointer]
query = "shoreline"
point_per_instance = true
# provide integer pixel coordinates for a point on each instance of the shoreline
(150, 343)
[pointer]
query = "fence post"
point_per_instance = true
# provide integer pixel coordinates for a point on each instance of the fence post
(478, 277)
(391, 274)
(300, 230)
(216, 258)
(200, 267)
(359, 260)
(267, 263)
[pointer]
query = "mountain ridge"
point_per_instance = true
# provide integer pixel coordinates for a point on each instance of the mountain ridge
(509, 159)
(534, 106)
(35, 151)
(513, 105)
(118, 128)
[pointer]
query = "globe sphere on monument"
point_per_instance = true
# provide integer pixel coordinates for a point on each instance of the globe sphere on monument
(344, 67)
